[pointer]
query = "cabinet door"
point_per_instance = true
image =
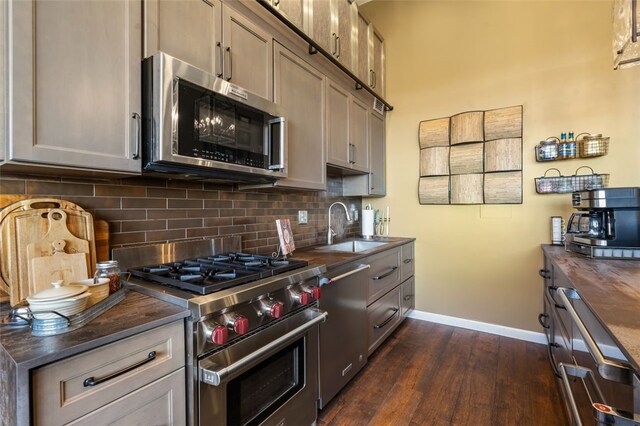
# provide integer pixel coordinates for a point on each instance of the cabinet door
(76, 83)
(359, 135)
(345, 11)
(248, 55)
(378, 63)
(159, 403)
(321, 25)
(299, 88)
(408, 296)
(377, 176)
(186, 29)
(338, 107)
(362, 69)
(384, 316)
(407, 265)
(293, 10)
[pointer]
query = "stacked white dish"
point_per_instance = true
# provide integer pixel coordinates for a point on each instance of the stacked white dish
(98, 289)
(66, 300)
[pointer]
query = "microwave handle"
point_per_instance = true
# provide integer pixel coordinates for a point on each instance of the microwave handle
(280, 163)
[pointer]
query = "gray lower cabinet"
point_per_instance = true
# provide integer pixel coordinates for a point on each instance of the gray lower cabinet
(408, 296)
(299, 88)
(384, 315)
(132, 378)
(75, 87)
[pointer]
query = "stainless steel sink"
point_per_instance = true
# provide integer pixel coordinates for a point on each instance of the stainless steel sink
(353, 246)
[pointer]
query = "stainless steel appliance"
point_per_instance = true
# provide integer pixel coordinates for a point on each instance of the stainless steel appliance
(608, 224)
(198, 125)
(252, 337)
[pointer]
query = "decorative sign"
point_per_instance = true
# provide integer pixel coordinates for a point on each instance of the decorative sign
(285, 235)
(472, 158)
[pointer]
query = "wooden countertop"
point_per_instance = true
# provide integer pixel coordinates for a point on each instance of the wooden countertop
(334, 259)
(611, 288)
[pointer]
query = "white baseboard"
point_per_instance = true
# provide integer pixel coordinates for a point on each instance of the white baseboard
(500, 330)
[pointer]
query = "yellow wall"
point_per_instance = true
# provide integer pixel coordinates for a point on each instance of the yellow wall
(447, 57)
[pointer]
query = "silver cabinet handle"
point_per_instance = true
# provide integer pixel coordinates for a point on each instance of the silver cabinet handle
(634, 21)
(386, 274)
(339, 47)
(371, 78)
(92, 381)
(408, 297)
(276, 3)
(347, 274)
(138, 131)
(610, 370)
(334, 51)
(219, 65)
(375, 80)
(386, 321)
(371, 181)
(407, 261)
(217, 376)
(228, 52)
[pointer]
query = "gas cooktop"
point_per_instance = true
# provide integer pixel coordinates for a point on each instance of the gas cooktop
(208, 274)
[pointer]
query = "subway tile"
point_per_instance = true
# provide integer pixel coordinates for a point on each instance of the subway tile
(218, 221)
(203, 213)
(144, 181)
(203, 232)
(166, 214)
(166, 193)
(218, 204)
(244, 220)
(120, 239)
(261, 226)
(116, 214)
(184, 204)
(184, 223)
(158, 236)
(231, 212)
(58, 188)
(237, 204)
(254, 243)
(233, 195)
(89, 203)
(142, 225)
(227, 230)
(203, 195)
(13, 186)
(144, 203)
(120, 191)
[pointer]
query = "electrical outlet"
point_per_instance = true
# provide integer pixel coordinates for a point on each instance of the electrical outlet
(302, 217)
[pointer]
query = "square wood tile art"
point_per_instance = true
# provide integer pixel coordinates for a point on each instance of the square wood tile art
(472, 158)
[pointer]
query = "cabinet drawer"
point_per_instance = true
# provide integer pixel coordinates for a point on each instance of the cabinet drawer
(384, 273)
(408, 296)
(406, 267)
(384, 316)
(61, 392)
(159, 403)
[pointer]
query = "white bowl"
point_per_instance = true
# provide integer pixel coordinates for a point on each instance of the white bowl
(66, 307)
(98, 290)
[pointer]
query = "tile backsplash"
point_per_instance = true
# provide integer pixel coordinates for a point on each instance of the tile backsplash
(149, 210)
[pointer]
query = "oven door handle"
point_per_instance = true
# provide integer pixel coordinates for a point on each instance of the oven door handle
(216, 376)
(608, 369)
(603, 413)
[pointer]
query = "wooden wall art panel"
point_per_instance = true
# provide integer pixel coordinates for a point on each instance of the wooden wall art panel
(472, 158)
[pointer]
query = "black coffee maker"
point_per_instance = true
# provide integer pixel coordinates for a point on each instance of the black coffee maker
(608, 223)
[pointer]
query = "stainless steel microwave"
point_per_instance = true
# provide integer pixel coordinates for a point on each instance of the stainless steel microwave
(195, 125)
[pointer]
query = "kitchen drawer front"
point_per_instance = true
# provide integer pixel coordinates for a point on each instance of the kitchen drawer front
(384, 273)
(408, 296)
(162, 402)
(59, 391)
(407, 265)
(384, 316)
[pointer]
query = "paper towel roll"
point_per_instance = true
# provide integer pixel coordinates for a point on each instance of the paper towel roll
(367, 223)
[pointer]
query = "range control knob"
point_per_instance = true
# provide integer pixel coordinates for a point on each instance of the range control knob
(316, 293)
(239, 324)
(304, 297)
(274, 309)
(218, 334)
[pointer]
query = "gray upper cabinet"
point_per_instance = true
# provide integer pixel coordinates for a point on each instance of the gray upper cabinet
(294, 10)
(185, 29)
(359, 135)
(299, 88)
(247, 52)
(370, 58)
(332, 26)
(363, 69)
(377, 58)
(79, 107)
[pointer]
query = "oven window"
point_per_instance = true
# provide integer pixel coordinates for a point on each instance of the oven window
(259, 392)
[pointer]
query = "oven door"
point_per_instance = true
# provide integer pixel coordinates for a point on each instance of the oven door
(270, 377)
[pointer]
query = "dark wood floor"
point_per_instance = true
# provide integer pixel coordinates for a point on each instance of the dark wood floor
(431, 374)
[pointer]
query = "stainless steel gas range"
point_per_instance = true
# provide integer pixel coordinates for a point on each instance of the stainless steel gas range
(252, 337)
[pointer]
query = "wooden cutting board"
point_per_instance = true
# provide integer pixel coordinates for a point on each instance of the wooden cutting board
(27, 221)
(59, 266)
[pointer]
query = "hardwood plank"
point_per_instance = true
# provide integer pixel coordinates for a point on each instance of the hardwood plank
(431, 374)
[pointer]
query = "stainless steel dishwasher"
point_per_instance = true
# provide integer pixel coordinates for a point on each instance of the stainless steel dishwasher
(343, 337)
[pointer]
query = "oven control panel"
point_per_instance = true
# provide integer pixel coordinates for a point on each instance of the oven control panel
(233, 322)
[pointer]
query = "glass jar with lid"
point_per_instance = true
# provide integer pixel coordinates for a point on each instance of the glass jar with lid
(547, 150)
(111, 270)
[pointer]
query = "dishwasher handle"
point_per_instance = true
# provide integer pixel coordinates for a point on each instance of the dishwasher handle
(608, 369)
(345, 275)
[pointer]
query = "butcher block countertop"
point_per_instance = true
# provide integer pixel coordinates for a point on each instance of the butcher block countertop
(334, 259)
(611, 288)
(21, 352)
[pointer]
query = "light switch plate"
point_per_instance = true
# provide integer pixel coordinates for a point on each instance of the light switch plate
(302, 217)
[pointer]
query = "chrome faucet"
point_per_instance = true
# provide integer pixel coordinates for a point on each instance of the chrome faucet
(330, 232)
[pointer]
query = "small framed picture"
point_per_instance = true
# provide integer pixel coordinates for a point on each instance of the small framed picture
(285, 235)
